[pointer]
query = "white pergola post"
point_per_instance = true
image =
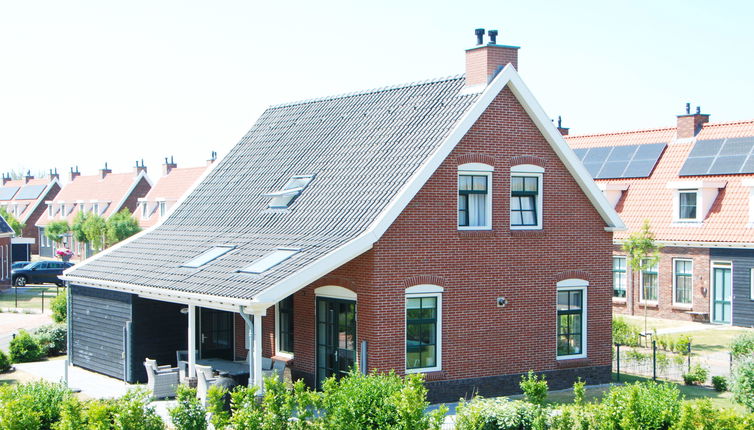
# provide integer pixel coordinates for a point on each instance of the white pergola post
(191, 341)
(258, 353)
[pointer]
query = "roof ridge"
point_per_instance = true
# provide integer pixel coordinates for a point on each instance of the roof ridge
(367, 91)
(721, 124)
(617, 133)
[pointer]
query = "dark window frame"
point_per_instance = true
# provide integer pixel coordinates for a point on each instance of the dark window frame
(423, 322)
(523, 194)
(563, 339)
(620, 292)
(285, 337)
(463, 196)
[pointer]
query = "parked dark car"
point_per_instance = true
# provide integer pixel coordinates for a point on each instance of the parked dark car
(41, 272)
(19, 264)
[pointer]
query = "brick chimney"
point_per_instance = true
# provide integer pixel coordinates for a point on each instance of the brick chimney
(484, 62)
(168, 166)
(74, 173)
(212, 158)
(563, 130)
(689, 125)
(28, 177)
(104, 172)
(140, 168)
(54, 174)
(6, 178)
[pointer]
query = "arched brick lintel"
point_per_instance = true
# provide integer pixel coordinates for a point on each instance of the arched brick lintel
(476, 158)
(424, 279)
(573, 274)
(528, 159)
(334, 280)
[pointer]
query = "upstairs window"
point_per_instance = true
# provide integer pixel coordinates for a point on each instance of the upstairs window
(95, 208)
(162, 207)
(290, 191)
(526, 197)
(619, 277)
(144, 210)
(687, 205)
(474, 196)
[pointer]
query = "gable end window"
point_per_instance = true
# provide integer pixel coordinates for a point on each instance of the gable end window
(474, 196)
(526, 197)
(687, 205)
(619, 277)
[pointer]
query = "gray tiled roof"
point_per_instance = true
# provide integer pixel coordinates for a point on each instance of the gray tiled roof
(362, 147)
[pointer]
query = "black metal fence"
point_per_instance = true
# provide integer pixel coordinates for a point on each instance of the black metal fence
(649, 360)
(36, 298)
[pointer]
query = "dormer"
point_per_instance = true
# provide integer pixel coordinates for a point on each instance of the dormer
(612, 192)
(692, 200)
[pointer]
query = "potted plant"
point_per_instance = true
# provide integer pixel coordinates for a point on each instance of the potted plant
(65, 254)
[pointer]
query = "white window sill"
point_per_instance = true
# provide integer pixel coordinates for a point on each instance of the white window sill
(282, 354)
(619, 300)
(425, 370)
(686, 223)
(474, 228)
(528, 227)
(571, 357)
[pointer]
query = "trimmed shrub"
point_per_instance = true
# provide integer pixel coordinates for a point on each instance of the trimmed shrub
(5, 363)
(72, 415)
(641, 406)
(577, 417)
(218, 406)
(40, 399)
(534, 388)
(579, 391)
(133, 412)
(743, 384)
(742, 346)
(698, 375)
(188, 414)
(24, 348)
(682, 344)
(59, 306)
(625, 333)
(497, 414)
(17, 413)
(52, 339)
(720, 383)
(279, 408)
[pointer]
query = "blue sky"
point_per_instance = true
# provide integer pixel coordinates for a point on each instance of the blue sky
(88, 82)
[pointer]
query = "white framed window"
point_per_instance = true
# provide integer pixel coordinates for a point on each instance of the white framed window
(50, 211)
(650, 282)
(284, 327)
(683, 281)
(423, 328)
(687, 209)
(95, 208)
(207, 256)
(270, 260)
(475, 196)
(291, 190)
(571, 311)
(162, 208)
(619, 277)
(526, 197)
(144, 210)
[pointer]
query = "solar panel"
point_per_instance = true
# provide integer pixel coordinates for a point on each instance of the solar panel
(597, 155)
(30, 192)
(625, 161)
(639, 169)
(580, 152)
(7, 193)
(613, 169)
(593, 168)
(720, 157)
(650, 151)
(622, 153)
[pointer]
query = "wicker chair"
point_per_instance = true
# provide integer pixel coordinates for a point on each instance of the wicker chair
(204, 378)
(161, 380)
(278, 368)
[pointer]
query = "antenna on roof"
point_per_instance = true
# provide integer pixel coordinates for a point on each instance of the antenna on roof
(171, 160)
(105, 165)
(479, 35)
(688, 108)
(142, 162)
(166, 160)
(560, 121)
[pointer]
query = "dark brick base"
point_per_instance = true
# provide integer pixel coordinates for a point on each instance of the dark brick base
(503, 385)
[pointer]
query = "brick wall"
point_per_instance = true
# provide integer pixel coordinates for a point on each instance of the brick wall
(138, 192)
(30, 228)
(479, 339)
(664, 308)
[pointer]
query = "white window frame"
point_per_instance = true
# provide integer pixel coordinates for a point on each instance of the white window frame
(532, 171)
(675, 303)
(706, 193)
(625, 277)
(421, 291)
(572, 285)
(162, 207)
(476, 169)
(279, 352)
(641, 286)
(677, 216)
(144, 209)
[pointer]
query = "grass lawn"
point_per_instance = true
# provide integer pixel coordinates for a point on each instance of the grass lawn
(690, 392)
(29, 297)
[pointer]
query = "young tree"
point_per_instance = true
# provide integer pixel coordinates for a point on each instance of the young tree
(642, 253)
(95, 230)
(55, 229)
(77, 229)
(15, 224)
(121, 226)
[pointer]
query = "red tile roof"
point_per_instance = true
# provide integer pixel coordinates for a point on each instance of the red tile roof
(169, 188)
(650, 198)
(29, 203)
(113, 189)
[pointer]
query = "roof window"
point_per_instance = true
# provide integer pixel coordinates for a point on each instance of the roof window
(207, 256)
(292, 189)
(270, 260)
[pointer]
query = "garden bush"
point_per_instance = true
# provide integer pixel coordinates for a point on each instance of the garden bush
(742, 346)
(743, 384)
(625, 333)
(39, 399)
(682, 344)
(579, 390)
(534, 388)
(701, 415)
(59, 306)
(52, 339)
(498, 414)
(24, 348)
(218, 406)
(188, 414)
(5, 363)
(133, 412)
(697, 375)
(641, 406)
(720, 383)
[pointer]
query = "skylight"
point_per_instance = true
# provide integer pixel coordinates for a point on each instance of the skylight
(292, 189)
(208, 256)
(269, 261)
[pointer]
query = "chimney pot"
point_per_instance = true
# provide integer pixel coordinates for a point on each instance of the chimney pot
(75, 173)
(563, 130)
(493, 37)
(102, 172)
(688, 108)
(479, 36)
(689, 125)
(169, 165)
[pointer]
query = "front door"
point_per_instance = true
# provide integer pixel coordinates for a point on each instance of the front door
(336, 337)
(215, 334)
(721, 295)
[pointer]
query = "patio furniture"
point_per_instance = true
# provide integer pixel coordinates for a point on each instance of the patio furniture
(204, 378)
(278, 368)
(161, 380)
(182, 355)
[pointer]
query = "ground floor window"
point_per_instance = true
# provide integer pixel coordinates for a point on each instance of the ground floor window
(285, 325)
(422, 331)
(649, 282)
(570, 307)
(683, 278)
(619, 277)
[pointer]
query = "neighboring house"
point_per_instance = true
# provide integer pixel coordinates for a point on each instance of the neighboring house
(441, 227)
(694, 183)
(6, 233)
(103, 194)
(167, 190)
(25, 200)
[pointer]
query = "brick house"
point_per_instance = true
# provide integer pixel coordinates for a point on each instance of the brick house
(167, 191)
(6, 233)
(441, 227)
(104, 194)
(694, 183)
(25, 199)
